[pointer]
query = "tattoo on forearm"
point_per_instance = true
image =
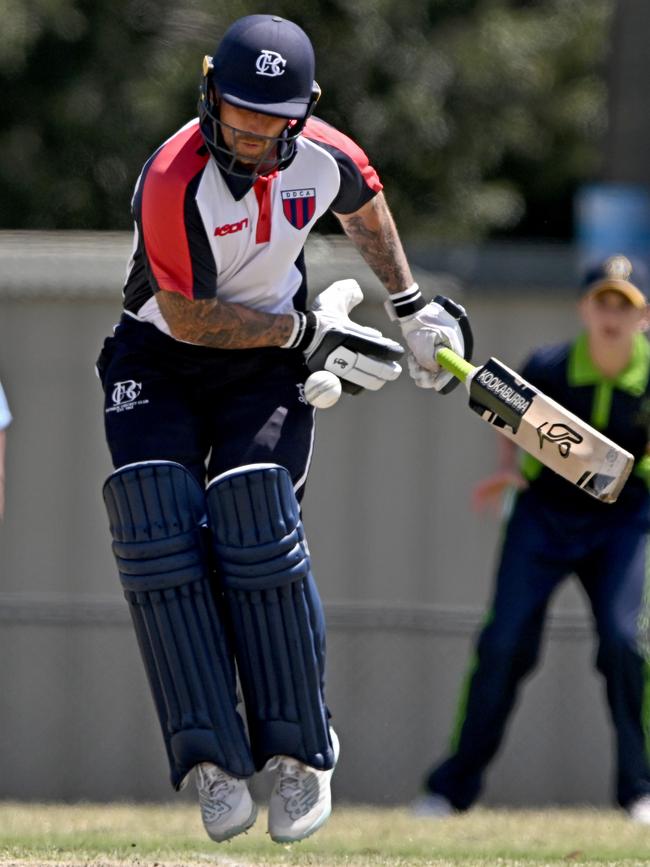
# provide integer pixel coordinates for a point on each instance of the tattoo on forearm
(223, 325)
(374, 233)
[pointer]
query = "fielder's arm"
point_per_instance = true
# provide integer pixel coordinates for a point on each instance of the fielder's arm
(372, 230)
(223, 325)
(489, 491)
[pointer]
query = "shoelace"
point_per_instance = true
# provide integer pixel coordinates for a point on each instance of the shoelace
(282, 763)
(214, 786)
(290, 777)
(297, 785)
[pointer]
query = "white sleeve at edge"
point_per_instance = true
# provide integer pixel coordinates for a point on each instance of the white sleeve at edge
(5, 414)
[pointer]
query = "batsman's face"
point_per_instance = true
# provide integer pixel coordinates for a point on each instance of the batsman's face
(249, 134)
(610, 317)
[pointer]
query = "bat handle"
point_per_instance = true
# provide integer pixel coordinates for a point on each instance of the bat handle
(454, 363)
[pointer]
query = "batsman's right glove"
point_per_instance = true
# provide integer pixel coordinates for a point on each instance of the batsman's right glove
(427, 328)
(360, 356)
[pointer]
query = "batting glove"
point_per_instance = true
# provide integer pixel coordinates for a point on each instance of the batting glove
(360, 356)
(427, 328)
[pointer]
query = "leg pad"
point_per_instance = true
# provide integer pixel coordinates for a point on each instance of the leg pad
(275, 610)
(157, 516)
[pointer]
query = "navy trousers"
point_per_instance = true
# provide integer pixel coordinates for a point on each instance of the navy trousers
(208, 409)
(542, 546)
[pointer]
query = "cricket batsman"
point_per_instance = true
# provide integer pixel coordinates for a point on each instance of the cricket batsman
(210, 433)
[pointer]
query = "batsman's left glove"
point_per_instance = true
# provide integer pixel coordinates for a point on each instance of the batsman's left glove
(360, 356)
(427, 328)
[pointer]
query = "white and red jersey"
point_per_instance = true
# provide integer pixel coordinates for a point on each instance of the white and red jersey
(194, 236)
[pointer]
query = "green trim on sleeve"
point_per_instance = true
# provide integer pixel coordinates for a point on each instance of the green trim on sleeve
(530, 467)
(642, 469)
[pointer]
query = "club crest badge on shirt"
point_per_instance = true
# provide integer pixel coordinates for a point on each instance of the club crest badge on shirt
(299, 206)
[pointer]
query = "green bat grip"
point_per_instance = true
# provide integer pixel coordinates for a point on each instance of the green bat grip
(454, 363)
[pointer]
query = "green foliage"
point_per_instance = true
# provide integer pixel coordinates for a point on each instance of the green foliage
(477, 113)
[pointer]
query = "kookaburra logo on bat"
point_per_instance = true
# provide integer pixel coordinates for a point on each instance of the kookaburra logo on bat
(560, 434)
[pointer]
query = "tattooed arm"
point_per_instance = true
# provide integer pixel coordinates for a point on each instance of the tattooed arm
(373, 231)
(425, 327)
(234, 326)
(221, 324)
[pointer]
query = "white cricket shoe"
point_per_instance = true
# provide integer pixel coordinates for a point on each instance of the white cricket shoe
(301, 800)
(432, 806)
(639, 810)
(227, 808)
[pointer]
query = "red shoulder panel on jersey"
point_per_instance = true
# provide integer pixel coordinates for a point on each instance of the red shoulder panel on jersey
(319, 131)
(163, 200)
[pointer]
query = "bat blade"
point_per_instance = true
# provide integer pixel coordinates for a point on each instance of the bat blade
(542, 427)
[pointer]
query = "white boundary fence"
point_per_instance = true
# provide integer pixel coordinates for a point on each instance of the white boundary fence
(403, 566)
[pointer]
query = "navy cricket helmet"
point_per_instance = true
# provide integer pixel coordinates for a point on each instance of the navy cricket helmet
(264, 63)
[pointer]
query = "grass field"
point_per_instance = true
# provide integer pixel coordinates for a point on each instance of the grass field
(172, 836)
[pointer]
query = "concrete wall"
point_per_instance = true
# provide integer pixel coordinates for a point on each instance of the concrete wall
(403, 565)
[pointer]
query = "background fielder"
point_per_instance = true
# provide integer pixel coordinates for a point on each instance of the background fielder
(555, 529)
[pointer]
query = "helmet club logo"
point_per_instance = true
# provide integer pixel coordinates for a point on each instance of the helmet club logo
(270, 63)
(299, 206)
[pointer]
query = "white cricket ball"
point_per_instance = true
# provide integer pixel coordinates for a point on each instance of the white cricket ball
(322, 389)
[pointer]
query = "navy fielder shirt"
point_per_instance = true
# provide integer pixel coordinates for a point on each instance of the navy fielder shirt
(619, 408)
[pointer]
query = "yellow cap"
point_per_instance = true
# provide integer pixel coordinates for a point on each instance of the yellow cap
(616, 274)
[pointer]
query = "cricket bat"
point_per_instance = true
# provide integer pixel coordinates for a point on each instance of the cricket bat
(542, 427)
